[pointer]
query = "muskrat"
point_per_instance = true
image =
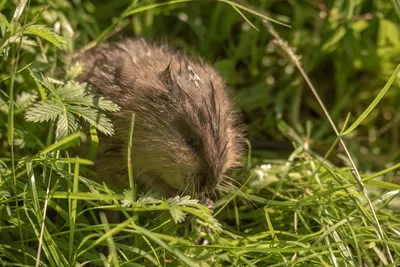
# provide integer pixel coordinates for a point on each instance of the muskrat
(186, 133)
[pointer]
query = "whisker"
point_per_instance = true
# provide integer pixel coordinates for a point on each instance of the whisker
(186, 188)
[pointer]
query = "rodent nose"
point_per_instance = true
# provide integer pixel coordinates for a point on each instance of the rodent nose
(206, 181)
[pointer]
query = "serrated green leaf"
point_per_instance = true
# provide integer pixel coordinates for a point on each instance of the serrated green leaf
(74, 71)
(127, 201)
(55, 81)
(44, 111)
(73, 125)
(182, 201)
(71, 89)
(107, 105)
(25, 99)
(93, 101)
(70, 101)
(177, 215)
(40, 78)
(45, 33)
(211, 222)
(66, 124)
(147, 200)
(100, 121)
(62, 126)
(75, 93)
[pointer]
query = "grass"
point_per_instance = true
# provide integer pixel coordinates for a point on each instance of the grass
(330, 200)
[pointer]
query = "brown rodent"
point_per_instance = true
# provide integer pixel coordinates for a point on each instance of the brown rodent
(185, 136)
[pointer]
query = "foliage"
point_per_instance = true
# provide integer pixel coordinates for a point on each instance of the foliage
(66, 103)
(298, 203)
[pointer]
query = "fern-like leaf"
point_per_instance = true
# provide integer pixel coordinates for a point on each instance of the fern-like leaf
(68, 102)
(75, 93)
(45, 33)
(182, 201)
(177, 214)
(100, 121)
(148, 200)
(25, 99)
(74, 71)
(71, 89)
(94, 101)
(106, 105)
(44, 111)
(40, 78)
(66, 124)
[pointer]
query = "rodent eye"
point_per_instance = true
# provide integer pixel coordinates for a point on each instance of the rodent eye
(193, 142)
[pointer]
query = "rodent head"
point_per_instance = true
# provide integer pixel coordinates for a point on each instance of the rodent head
(185, 133)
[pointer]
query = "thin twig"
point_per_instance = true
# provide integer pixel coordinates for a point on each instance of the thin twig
(295, 58)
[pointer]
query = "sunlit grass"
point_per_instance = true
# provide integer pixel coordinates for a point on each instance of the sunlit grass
(294, 208)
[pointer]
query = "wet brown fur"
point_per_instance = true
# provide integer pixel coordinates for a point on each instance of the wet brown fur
(186, 136)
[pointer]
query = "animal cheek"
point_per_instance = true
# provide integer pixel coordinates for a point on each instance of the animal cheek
(188, 159)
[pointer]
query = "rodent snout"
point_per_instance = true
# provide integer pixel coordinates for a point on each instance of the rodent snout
(206, 182)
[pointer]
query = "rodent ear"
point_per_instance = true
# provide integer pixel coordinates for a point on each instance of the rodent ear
(167, 77)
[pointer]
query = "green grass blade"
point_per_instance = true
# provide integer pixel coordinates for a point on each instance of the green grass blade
(110, 240)
(151, 6)
(245, 18)
(62, 142)
(179, 254)
(74, 206)
(94, 143)
(374, 103)
(252, 11)
(129, 159)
